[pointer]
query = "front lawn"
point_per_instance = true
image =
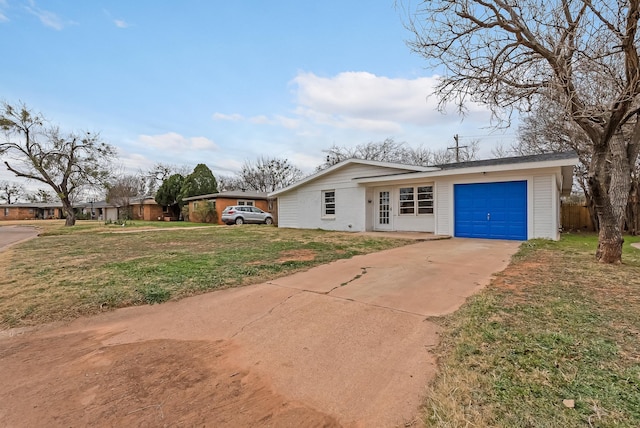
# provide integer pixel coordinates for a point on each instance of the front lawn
(68, 272)
(554, 326)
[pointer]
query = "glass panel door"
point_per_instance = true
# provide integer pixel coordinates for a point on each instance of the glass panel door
(383, 210)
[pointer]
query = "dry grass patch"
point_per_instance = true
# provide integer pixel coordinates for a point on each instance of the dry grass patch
(68, 272)
(554, 326)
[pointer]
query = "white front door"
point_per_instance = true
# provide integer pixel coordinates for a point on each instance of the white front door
(384, 219)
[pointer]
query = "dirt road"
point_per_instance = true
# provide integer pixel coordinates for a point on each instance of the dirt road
(345, 344)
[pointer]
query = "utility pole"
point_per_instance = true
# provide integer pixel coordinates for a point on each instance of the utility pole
(457, 147)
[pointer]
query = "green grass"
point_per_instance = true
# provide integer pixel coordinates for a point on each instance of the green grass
(555, 325)
(68, 272)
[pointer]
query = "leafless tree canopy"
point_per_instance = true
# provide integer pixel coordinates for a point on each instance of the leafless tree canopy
(121, 189)
(10, 192)
(42, 195)
(66, 162)
(268, 174)
(581, 55)
(389, 150)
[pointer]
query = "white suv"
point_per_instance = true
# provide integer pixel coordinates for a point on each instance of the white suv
(240, 214)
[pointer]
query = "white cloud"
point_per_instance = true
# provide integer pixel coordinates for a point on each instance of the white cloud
(47, 18)
(260, 120)
(362, 99)
(3, 18)
(230, 117)
(174, 142)
(120, 23)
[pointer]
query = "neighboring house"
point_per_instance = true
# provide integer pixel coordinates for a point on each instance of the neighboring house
(147, 208)
(514, 198)
(232, 197)
(144, 208)
(31, 211)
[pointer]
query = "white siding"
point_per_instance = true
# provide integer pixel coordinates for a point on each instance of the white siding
(351, 200)
(443, 205)
(411, 222)
(302, 207)
(543, 208)
(288, 210)
(542, 200)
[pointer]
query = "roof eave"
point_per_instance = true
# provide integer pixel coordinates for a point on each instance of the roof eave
(343, 164)
(470, 170)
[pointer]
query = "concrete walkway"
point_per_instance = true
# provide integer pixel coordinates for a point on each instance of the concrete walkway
(11, 235)
(349, 340)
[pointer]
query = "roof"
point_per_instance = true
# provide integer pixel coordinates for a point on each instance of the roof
(511, 160)
(33, 205)
(247, 194)
(346, 162)
(565, 160)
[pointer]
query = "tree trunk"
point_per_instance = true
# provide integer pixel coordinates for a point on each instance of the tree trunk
(68, 212)
(610, 183)
(633, 221)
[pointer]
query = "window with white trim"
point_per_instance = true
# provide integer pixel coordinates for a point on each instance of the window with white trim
(425, 200)
(416, 200)
(407, 201)
(328, 203)
(245, 202)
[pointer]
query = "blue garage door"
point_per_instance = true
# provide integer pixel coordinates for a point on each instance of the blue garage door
(491, 210)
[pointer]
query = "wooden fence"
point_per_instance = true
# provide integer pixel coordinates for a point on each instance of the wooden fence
(576, 217)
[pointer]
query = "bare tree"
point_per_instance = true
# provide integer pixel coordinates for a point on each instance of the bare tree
(122, 189)
(389, 150)
(547, 129)
(65, 162)
(268, 174)
(229, 182)
(11, 192)
(579, 54)
(155, 176)
(42, 195)
(501, 151)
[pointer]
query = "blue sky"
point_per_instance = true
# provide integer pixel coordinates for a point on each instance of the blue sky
(221, 82)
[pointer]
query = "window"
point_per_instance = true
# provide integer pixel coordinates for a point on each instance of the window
(416, 200)
(328, 203)
(246, 203)
(6, 211)
(425, 200)
(407, 204)
(195, 205)
(140, 210)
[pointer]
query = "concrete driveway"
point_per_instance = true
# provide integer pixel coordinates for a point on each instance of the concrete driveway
(11, 235)
(344, 344)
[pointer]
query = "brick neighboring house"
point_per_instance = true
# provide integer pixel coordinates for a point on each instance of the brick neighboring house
(145, 208)
(31, 211)
(232, 197)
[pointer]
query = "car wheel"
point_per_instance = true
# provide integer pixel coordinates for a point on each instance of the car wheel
(268, 220)
(239, 220)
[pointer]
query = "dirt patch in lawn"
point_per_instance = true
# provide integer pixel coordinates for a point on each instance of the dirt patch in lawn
(75, 381)
(297, 256)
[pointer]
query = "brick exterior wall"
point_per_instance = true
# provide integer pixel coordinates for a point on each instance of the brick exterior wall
(18, 213)
(147, 212)
(222, 203)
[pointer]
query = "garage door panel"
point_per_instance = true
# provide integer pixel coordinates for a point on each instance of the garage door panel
(491, 210)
